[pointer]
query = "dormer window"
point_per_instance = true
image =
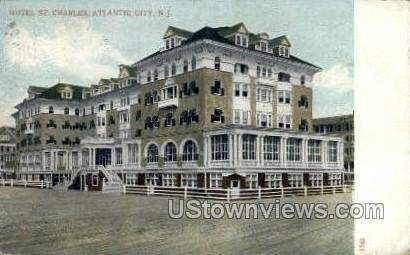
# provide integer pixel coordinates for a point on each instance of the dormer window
(217, 63)
(241, 40)
(66, 94)
(166, 71)
(283, 77)
(149, 76)
(263, 46)
(155, 75)
(302, 80)
(283, 51)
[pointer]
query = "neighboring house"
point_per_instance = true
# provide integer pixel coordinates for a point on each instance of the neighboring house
(7, 152)
(219, 107)
(340, 126)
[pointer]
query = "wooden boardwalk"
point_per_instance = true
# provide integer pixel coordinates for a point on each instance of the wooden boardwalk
(42, 221)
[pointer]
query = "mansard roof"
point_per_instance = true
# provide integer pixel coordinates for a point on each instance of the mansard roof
(217, 34)
(54, 92)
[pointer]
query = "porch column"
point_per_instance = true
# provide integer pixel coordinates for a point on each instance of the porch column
(283, 141)
(231, 154)
(90, 155)
(258, 151)
(324, 154)
(261, 156)
(93, 157)
(235, 149)
(304, 151)
(240, 149)
(209, 151)
(340, 154)
(43, 164)
(113, 156)
(205, 151)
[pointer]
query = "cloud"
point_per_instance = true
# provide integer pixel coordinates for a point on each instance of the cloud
(73, 48)
(337, 77)
(333, 92)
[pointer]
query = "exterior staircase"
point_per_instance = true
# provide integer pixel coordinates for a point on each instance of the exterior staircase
(64, 186)
(113, 184)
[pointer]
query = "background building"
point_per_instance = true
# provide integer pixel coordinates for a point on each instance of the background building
(219, 107)
(341, 126)
(7, 152)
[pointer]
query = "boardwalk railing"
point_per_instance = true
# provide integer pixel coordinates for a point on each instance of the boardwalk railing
(229, 194)
(26, 184)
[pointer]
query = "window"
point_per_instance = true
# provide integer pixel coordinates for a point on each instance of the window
(124, 117)
(155, 75)
(237, 116)
(244, 90)
(285, 121)
(293, 149)
(237, 90)
(314, 151)
(245, 117)
(241, 68)
(152, 154)
(151, 179)
(269, 72)
(218, 116)
(118, 156)
(188, 180)
(50, 109)
(66, 111)
(169, 180)
(335, 179)
(252, 181)
(263, 46)
(295, 180)
(217, 89)
(219, 147)
(304, 125)
(283, 77)
(185, 65)
(332, 151)
(244, 41)
(215, 180)
(271, 147)
(217, 63)
(170, 152)
(190, 152)
(92, 109)
(173, 69)
(316, 179)
(273, 180)
(258, 71)
(238, 39)
(264, 119)
(131, 179)
(264, 72)
(166, 71)
(149, 76)
(302, 80)
(284, 97)
(303, 102)
(264, 95)
(193, 63)
(248, 147)
(168, 120)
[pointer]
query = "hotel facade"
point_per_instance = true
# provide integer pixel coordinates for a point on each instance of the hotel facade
(216, 108)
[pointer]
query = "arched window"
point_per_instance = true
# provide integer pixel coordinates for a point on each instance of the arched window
(166, 71)
(190, 151)
(77, 111)
(66, 111)
(152, 153)
(173, 69)
(170, 152)
(302, 80)
(217, 63)
(185, 65)
(193, 63)
(50, 109)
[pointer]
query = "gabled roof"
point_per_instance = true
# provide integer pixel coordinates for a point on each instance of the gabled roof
(132, 71)
(171, 30)
(281, 40)
(237, 28)
(55, 91)
(207, 33)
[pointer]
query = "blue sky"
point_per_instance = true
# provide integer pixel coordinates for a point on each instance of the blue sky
(41, 50)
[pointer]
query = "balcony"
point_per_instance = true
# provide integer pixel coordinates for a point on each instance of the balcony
(29, 131)
(173, 102)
